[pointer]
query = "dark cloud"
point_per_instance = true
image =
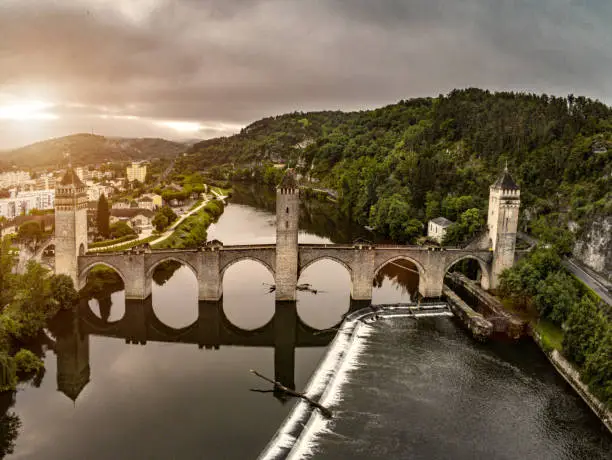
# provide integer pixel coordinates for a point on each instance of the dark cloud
(233, 61)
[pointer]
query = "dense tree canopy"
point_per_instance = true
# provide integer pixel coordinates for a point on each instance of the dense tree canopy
(438, 156)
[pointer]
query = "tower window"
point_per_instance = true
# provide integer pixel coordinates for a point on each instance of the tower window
(287, 210)
(286, 224)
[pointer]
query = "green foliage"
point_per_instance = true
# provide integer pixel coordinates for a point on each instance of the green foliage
(122, 239)
(164, 217)
(103, 217)
(555, 295)
(550, 334)
(469, 224)
(30, 231)
(584, 329)
(192, 232)
(27, 362)
(439, 156)
(63, 293)
(121, 229)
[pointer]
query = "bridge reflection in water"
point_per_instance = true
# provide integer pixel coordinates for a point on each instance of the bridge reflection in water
(211, 330)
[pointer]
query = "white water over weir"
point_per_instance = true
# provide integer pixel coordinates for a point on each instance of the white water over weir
(297, 434)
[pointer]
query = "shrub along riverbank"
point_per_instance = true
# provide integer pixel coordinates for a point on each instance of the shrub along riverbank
(568, 316)
(28, 301)
(191, 233)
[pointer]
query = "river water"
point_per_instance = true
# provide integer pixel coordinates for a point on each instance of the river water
(169, 377)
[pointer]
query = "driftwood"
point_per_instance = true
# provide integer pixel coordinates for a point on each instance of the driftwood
(324, 410)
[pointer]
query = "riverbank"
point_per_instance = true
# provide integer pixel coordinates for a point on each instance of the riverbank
(572, 376)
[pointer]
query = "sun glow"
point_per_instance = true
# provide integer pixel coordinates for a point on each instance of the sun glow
(182, 126)
(27, 110)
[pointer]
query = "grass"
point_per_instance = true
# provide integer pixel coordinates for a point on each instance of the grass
(550, 334)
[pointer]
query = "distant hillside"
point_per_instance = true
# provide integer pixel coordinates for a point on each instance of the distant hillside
(89, 148)
(269, 139)
(396, 167)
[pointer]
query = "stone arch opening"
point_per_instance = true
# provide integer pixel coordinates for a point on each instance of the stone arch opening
(248, 293)
(397, 281)
(473, 267)
(82, 249)
(104, 290)
(325, 278)
(174, 292)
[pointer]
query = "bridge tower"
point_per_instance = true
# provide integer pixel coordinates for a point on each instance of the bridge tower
(504, 203)
(70, 224)
(287, 217)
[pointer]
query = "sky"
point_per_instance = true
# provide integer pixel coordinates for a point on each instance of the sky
(185, 69)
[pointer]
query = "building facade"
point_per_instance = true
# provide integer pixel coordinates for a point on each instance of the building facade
(137, 171)
(436, 229)
(21, 203)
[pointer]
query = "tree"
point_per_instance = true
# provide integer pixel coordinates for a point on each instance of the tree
(63, 292)
(30, 232)
(103, 217)
(555, 296)
(163, 218)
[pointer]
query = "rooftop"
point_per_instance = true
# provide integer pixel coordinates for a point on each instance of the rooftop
(442, 222)
(505, 181)
(288, 180)
(71, 178)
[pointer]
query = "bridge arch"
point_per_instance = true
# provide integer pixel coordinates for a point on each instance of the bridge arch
(331, 279)
(332, 258)
(485, 280)
(169, 258)
(87, 268)
(417, 264)
(242, 259)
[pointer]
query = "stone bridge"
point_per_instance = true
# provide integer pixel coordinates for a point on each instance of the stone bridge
(286, 259)
(363, 262)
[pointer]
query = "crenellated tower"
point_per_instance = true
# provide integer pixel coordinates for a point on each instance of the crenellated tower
(504, 204)
(70, 224)
(287, 219)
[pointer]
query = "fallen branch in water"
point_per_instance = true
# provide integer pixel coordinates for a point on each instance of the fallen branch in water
(324, 410)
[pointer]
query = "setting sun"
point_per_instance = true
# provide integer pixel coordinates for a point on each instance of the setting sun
(27, 110)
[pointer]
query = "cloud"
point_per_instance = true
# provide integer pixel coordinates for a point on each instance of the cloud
(233, 61)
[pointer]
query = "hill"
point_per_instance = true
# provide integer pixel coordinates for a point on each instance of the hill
(398, 166)
(88, 149)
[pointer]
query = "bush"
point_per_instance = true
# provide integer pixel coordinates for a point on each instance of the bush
(101, 244)
(27, 362)
(121, 229)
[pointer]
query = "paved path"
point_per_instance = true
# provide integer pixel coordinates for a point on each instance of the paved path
(162, 237)
(600, 289)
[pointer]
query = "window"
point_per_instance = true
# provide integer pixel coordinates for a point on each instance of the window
(287, 210)
(286, 224)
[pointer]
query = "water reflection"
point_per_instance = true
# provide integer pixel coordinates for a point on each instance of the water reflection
(212, 329)
(396, 282)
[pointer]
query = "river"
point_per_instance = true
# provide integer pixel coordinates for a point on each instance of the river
(112, 390)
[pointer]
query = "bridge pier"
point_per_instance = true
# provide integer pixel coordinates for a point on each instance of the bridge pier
(431, 282)
(210, 277)
(362, 274)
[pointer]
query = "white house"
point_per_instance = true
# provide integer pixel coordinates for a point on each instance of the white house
(436, 229)
(138, 219)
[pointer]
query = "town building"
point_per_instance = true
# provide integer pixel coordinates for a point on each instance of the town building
(21, 203)
(137, 218)
(122, 204)
(145, 203)
(45, 182)
(155, 199)
(436, 229)
(14, 178)
(94, 191)
(137, 171)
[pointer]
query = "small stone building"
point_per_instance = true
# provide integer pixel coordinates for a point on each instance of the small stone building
(436, 229)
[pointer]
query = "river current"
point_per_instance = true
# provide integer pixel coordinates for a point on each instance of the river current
(169, 377)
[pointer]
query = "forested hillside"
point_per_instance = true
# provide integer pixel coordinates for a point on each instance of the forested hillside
(397, 166)
(87, 149)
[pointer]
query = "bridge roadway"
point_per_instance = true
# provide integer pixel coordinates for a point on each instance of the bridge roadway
(209, 264)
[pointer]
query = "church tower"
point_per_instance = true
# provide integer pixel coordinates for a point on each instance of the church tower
(504, 203)
(70, 224)
(287, 217)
